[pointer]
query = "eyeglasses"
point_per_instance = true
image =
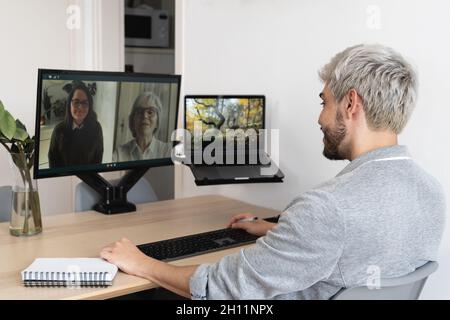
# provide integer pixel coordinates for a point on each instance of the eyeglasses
(151, 112)
(80, 104)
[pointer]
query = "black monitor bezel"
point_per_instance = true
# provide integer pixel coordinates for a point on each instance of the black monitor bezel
(104, 167)
(225, 96)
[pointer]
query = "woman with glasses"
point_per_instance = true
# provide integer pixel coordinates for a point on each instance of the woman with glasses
(78, 139)
(143, 122)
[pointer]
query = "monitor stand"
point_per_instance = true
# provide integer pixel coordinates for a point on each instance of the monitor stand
(113, 198)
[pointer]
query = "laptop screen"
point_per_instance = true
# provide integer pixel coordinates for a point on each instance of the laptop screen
(236, 118)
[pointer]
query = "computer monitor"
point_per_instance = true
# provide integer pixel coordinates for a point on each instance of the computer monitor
(89, 122)
(234, 123)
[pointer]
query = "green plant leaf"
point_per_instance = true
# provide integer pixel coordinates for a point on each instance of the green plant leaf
(19, 124)
(7, 125)
(2, 110)
(3, 138)
(29, 145)
(20, 134)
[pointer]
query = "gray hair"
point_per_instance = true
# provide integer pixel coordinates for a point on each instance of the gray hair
(383, 79)
(153, 100)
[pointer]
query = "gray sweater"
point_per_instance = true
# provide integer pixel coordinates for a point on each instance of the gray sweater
(380, 216)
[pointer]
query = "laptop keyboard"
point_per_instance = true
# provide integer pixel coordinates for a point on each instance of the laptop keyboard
(197, 244)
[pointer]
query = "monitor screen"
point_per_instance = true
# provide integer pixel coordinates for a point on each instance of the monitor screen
(221, 115)
(103, 121)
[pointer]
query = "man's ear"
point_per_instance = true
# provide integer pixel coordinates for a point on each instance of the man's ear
(353, 105)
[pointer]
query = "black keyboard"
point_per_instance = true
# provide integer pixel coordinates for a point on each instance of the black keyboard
(200, 243)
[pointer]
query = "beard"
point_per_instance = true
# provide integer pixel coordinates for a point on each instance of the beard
(333, 139)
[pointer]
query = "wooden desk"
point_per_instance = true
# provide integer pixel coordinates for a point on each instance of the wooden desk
(84, 234)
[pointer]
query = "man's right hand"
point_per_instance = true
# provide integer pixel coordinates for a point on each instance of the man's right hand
(257, 227)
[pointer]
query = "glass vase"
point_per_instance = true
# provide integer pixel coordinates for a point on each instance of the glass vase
(25, 210)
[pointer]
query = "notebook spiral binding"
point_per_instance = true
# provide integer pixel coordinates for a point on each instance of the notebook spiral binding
(66, 279)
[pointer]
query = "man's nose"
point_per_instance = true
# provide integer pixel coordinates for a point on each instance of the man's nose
(319, 120)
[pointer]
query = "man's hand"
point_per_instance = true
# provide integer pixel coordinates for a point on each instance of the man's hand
(257, 227)
(125, 255)
(131, 260)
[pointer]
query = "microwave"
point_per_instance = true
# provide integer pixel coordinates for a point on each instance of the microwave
(146, 27)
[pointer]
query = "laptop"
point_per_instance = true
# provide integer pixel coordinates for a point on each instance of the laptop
(225, 140)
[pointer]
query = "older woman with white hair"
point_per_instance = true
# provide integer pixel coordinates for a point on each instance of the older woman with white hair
(143, 122)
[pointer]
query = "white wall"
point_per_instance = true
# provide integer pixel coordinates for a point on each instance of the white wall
(34, 34)
(276, 47)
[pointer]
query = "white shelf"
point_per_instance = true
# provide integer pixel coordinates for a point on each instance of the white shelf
(144, 50)
(151, 60)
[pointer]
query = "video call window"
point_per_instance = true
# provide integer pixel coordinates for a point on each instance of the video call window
(103, 120)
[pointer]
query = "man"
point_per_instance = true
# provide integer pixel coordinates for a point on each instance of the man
(381, 212)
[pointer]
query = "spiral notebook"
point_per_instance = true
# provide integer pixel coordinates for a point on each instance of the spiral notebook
(69, 272)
